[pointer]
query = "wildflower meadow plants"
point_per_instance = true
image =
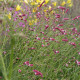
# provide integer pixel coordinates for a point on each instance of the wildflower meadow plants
(40, 40)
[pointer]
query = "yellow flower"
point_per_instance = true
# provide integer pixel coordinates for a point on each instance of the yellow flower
(38, 1)
(31, 22)
(38, 5)
(63, 3)
(45, 10)
(18, 8)
(34, 10)
(49, 7)
(52, 12)
(68, 1)
(46, 1)
(70, 5)
(9, 16)
(26, 1)
(54, 3)
(34, 3)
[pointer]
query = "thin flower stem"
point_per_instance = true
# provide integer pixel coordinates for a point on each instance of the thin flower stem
(3, 66)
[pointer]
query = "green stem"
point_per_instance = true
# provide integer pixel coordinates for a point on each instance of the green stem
(11, 65)
(3, 66)
(11, 58)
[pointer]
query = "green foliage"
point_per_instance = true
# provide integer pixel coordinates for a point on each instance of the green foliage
(20, 44)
